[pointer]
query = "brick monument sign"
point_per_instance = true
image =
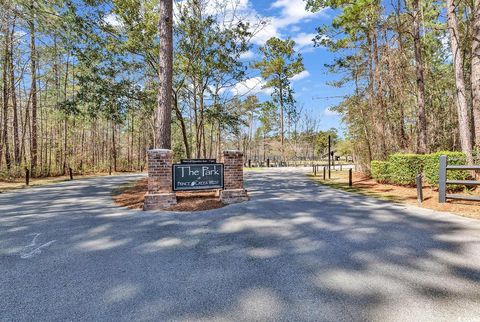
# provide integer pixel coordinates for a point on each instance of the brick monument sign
(160, 193)
(233, 190)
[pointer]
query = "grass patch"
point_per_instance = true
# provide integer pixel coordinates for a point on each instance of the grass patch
(339, 181)
(19, 183)
(254, 169)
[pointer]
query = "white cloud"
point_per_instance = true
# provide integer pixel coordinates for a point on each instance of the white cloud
(295, 29)
(18, 34)
(254, 85)
(285, 23)
(251, 86)
(300, 76)
(329, 112)
(292, 12)
(247, 55)
(268, 31)
(113, 20)
(304, 41)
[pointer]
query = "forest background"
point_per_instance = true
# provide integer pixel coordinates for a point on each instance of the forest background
(79, 89)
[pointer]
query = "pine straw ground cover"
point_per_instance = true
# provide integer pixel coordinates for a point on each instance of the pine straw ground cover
(364, 185)
(132, 195)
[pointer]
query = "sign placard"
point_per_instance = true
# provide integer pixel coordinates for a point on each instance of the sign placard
(199, 176)
(197, 161)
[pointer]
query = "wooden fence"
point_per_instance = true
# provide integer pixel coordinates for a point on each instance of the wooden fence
(443, 181)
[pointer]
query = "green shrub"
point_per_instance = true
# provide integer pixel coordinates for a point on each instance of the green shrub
(403, 168)
(431, 167)
(379, 170)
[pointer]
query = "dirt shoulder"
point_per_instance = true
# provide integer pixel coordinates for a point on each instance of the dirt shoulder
(399, 194)
(19, 183)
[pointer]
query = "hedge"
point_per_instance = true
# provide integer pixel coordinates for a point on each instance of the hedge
(431, 167)
(403, 168)
(379, 171)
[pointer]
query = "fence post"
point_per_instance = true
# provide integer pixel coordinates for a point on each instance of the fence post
(249, 163)
(350, 178)
(442, 179)
(71, 173)
(324, 173)
(268, 163)
(418, 180)
(341, 169)
(27, 176)
(314, 170)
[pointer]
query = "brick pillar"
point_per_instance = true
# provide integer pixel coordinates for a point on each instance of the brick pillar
(160, 194)
(234, 191)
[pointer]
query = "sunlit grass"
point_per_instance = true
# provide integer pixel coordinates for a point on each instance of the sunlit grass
(339, 180)
(254, 169)
(19, 183)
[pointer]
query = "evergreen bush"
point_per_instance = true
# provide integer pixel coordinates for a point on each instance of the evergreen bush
(379, 171)
(403, 168)
(431, 167)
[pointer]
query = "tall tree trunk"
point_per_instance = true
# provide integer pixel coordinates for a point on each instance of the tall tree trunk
(33, 93)
(204, 140)
(362, 114)
(114, 147)
(210, 149)
(219, 139)
(374, 115)
(139, 150)
(65, 145)
(16, 141)
(282, 133)
(82, 149)
(475, 77)
(379, 104)
(6, 63)
(419, 68)
(50, 148)
(165, 74)
(402, 137)
(463, 123)
(182, 125)
(201, 129)
(264, 146)
(130, 156)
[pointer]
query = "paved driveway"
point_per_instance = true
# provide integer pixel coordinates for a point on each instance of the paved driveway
(296, 251)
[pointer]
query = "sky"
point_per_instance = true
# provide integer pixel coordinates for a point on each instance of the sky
(289, 19)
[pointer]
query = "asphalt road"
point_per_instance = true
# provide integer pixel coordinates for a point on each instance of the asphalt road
(296, 251)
